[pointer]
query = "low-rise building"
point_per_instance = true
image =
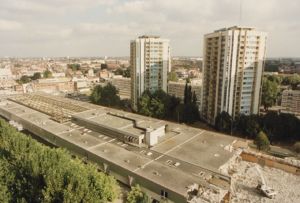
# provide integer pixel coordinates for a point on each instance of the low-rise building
(161, 156)
(123, 85)
(177, 89)
(291, 101)
(104, 74)
(51, 85)
(5, 74)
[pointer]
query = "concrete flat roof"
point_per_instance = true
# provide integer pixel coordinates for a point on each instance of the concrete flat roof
(184, 156)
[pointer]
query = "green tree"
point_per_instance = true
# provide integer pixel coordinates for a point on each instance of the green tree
(127, 72)
(172, 76)
(106, 96)
(119, 71)
(191, 111)
(171, 103)
(6, 179)
(96, 94)
(161, 105)
(194, 101)
(187, 94)
(136, 195)
(249, 125)
(24, 79)
(32, 172)
(126, 104)
(47, 74)
(74, 66)
(36, 76)
(157, 108)
(262, 142)
(269, 93)
(180, 113)
(144, 104)
(282, 126)
(223, 122)
(275, 78)
(293, 80)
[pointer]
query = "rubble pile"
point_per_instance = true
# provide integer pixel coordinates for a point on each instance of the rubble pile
(245, 180)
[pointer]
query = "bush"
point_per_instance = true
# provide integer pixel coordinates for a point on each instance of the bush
(136, 195)
(262, 142)
(223, 122)
(297, 147)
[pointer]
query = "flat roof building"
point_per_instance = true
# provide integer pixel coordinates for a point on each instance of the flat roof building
(170, 162)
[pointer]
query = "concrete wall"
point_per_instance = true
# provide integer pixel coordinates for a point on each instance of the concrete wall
(152, 135)
(106, 130)
(271, 163)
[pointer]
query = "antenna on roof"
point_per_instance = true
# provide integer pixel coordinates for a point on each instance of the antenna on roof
(241, 12)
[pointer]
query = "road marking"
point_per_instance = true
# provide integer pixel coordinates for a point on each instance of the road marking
(184, 142)
(92, 147)
(170, 150)
(167, 140)
(69, 131)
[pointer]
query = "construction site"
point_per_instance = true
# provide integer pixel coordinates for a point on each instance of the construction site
(171, 162)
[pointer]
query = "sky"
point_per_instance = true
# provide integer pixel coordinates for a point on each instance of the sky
(50, 28)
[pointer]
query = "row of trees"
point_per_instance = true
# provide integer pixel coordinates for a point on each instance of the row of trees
(157, 104)
(125, 73)
(280, 127)
(270, 88)
(161, 105)
(26, 79)
(74, 66)
(32, 172)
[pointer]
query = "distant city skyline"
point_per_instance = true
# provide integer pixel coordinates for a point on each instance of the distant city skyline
(56, 28)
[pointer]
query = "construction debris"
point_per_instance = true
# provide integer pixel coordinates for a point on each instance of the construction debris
(246, 177)
(245, 180)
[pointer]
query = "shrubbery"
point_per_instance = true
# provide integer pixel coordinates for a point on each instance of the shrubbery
(156, 104)
(106, 96)
(136, 195)
(280, 127)
(32, 172)
(262, 142)
(297, 147)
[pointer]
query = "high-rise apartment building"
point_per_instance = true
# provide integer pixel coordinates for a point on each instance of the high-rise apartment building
(232, 72)
(150, 62)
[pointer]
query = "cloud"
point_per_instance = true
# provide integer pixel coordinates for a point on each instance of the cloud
(111, 24)
(9, 25)
(48, 8)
